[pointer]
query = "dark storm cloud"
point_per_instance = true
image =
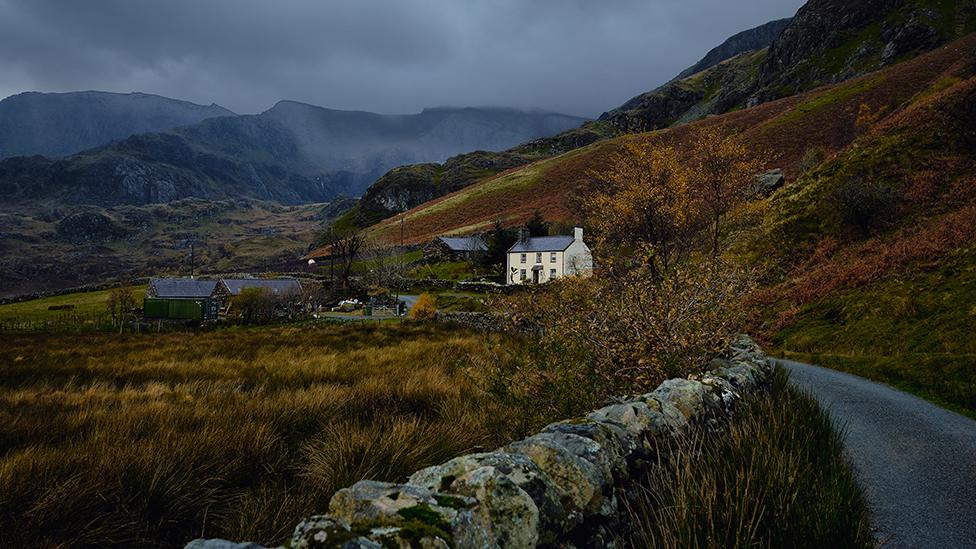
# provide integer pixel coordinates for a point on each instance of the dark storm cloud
(575, 56)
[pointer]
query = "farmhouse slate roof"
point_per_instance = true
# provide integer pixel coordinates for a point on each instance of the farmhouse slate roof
(183, 287)
(543, 244)
(464, 243)
(277, 286)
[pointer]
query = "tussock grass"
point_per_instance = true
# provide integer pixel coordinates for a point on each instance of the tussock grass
(150, 441)
(777, 478)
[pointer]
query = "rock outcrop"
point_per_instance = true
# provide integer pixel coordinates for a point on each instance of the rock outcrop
(564, 486)
(404, 187)
(827, 41)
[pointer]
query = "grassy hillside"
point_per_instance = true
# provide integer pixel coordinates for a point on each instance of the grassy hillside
(782, 131)
(866, 252)
(151, 441)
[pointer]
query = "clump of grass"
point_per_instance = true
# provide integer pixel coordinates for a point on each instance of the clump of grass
(776, 478)
(153, 440)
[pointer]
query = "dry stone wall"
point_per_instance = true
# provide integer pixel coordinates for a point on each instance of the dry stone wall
(564, 486)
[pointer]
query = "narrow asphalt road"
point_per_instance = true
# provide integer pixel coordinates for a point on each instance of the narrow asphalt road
(916, 461)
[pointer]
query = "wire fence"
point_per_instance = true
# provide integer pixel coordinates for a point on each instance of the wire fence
(83, 323)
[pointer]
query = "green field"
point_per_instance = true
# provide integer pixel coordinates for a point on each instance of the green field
(85, 304)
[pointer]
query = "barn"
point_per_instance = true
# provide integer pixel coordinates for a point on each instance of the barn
(454, 248)
(278, 287)
(181, 299)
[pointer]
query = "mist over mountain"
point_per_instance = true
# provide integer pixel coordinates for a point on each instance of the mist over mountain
(292, 153)
(59, 124)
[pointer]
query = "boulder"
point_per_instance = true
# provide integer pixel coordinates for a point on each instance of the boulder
(766, 183)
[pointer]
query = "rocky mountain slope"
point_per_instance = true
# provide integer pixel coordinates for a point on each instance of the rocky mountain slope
(750, 40)
(293, 153)
(407, 186)
(63, 246)
(827, 41)
(59, 124)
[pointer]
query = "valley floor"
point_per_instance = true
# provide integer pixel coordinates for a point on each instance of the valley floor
(153, 440)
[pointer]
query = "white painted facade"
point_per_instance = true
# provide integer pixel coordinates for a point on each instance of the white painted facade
(541, 259)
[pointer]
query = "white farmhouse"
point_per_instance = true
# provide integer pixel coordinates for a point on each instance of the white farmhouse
(544, 258)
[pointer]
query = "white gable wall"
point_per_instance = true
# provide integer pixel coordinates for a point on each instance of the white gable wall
(575, 260)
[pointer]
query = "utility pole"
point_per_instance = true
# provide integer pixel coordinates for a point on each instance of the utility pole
(399, 264)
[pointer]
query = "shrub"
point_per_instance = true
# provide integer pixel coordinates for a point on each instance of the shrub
(777, 478)
(425, 308)
(254, 305)
(865, 205)
(634, 329)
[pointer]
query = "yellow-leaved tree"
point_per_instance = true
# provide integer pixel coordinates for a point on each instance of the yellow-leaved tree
(644, 203)
(722, 168)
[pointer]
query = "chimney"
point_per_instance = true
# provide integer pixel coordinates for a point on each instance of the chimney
(523, 234)
(578, 233)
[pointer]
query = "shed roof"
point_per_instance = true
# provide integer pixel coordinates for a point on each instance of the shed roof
(543, 244)
(277, 286)
(183, 287)
(464, 243)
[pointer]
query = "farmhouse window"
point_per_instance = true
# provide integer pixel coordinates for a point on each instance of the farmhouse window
(552, 257)
(523, 272)
(538, 257)
(523, 259)
(552, 273)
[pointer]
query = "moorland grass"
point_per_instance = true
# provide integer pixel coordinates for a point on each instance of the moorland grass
(777, 478)
(153, 440)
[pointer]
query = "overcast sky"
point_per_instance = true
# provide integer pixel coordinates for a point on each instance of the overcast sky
(395, 56)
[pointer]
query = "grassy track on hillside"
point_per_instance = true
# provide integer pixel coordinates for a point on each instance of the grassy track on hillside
(153, 440)
(777, 478)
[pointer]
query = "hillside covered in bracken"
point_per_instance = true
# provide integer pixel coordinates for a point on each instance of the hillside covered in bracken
(878, 200)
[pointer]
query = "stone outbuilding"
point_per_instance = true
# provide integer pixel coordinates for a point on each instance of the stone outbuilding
(454, 248)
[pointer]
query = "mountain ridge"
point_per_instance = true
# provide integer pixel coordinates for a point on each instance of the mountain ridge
(63, 123)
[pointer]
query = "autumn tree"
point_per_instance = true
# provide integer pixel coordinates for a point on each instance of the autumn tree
(425, 308)
(645, 200)
(120, 304)
(721, 169)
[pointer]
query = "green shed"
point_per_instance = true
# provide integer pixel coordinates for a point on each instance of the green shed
(181, 299)
(180, 308)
